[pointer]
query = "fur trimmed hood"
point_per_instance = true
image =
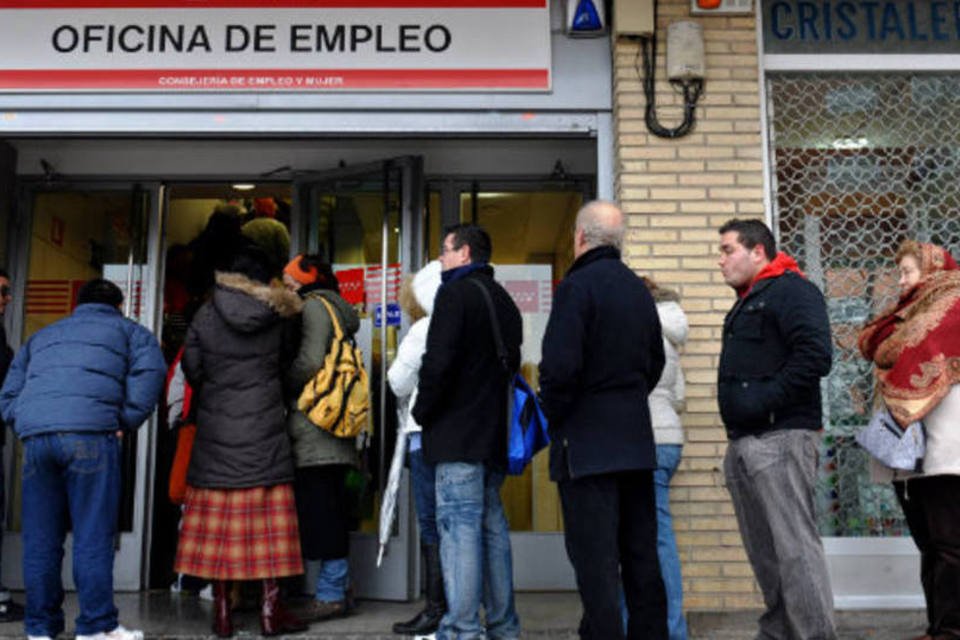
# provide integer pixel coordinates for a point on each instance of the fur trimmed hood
(248, 305)
(662, 294)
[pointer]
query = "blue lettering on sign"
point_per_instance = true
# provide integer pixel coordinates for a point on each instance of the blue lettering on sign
(780, 10)
(937, 19)
(871, 8)
(808, 20)
(845, 11)
(393, 315)
(914, 33)
(855, 26)
(891, 22)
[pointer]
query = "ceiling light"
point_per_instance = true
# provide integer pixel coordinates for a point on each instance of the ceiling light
(244, 187)
(851, 143)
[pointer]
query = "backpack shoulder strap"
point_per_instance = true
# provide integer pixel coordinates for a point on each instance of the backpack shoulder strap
(337, 330)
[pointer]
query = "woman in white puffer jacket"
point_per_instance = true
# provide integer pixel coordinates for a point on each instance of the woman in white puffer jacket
(666, 403)
(416, 299)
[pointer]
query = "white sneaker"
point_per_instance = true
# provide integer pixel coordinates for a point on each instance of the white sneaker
(432, 636)
(39, 638)
(120, 633)
(206, 593)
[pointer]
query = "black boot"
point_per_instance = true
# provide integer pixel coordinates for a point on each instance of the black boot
(428, 620)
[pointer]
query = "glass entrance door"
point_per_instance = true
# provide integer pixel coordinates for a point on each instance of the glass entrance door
(74, 233)
(365, 221)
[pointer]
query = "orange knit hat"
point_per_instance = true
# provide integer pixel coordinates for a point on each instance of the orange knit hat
(295, 271)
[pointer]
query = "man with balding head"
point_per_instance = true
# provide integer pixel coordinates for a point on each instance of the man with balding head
(602, 355)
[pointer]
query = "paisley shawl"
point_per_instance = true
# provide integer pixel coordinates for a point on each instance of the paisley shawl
(915, 344)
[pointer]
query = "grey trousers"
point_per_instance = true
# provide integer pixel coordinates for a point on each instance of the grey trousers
(771, 479)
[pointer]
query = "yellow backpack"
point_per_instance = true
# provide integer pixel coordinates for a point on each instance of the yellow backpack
(337, 398)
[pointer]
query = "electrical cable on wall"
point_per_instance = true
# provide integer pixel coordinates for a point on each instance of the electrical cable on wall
(684, 69)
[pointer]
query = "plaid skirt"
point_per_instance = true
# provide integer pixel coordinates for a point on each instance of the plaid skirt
(239, 534)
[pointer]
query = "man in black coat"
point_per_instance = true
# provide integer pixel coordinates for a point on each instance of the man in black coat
(10, 611)
(776, 347)
(602, 355)
(462, 406)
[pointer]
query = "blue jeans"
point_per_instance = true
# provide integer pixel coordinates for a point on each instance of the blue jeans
(668, 458)
(423, 478)
(70, 478)
(474, 553)
(332, 580)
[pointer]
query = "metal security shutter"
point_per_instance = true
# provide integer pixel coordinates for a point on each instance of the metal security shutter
(860, 162)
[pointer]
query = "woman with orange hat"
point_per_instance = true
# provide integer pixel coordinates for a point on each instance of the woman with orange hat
(322, 460)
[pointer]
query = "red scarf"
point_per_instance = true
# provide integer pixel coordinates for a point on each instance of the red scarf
(774, 269)
(915, 344)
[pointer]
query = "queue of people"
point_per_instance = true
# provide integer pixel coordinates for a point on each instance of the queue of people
(266, 488)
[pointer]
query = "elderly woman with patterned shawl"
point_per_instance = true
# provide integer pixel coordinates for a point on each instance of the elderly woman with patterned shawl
(915, 346)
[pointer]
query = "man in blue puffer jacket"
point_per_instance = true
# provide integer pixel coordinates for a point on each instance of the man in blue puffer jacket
(71, 393)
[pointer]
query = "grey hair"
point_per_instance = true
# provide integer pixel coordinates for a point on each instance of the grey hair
(597, 230)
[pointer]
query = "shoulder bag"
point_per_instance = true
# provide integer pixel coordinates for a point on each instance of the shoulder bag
(894, 446)
(526, 424)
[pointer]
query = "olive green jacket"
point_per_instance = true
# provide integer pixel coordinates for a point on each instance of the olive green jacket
(312, 446)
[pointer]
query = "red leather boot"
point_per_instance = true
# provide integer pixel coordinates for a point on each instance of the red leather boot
(274, 618)
(222, 620)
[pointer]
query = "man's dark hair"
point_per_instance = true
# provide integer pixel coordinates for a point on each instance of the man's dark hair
(475, 237)
(4, 273)
(751, 233)
(100, 291)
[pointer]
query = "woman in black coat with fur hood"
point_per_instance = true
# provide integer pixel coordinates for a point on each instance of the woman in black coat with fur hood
(239, 521)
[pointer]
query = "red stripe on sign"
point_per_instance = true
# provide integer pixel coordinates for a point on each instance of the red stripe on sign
(276, 4)
(176, 80)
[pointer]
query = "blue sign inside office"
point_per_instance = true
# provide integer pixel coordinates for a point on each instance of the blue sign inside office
(860, 26)
(393, 315)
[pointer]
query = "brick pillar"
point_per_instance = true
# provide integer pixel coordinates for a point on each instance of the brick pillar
(676, 194)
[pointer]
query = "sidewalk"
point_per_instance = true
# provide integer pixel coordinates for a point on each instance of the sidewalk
(543, 615)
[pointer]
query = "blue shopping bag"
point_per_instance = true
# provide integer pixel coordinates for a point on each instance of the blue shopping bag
(527, 430)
